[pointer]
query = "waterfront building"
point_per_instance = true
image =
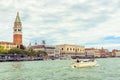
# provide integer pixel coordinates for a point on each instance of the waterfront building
(104, 52)
(51, 50)
(116, 53)
(71, 51)
(89, 52)
(96, 52)
(93, 52)
(17, 35)
(7, 45)
(110, 54)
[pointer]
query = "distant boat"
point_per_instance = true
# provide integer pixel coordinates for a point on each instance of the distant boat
(84, 63)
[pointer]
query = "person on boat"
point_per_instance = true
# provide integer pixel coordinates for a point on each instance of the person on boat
(77, 61)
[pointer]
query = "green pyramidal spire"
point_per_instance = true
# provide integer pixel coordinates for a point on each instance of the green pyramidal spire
(17, 18)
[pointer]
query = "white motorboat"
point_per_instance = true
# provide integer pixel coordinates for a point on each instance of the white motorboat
(84, 63)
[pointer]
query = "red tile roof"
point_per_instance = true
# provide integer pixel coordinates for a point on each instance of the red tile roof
(7, 43)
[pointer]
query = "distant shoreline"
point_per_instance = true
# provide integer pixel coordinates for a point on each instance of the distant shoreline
(3, 60)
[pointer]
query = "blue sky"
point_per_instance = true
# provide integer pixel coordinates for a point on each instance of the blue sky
(90, 23)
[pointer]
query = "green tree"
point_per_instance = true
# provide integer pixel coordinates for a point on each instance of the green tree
(21, 47)
(3, 51)
(16, 51)
(43, 54)
(30, 52)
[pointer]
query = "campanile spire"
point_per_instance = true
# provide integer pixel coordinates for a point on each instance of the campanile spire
(17, 18)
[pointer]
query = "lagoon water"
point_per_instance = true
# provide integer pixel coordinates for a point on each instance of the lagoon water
(108, 69)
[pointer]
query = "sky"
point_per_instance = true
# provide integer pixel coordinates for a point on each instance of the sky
(89, 23)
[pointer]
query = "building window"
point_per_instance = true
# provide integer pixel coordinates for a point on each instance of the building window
(7, 46)
(67, 49)
(62, 49)
(70, 48)
(73, 49)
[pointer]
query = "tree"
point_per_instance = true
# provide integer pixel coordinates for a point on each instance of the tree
(31, 53)
(3, 51)
(16, 51)
(43, 54)
(21, 47)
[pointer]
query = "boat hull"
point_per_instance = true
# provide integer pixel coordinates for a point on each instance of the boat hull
(83, 64)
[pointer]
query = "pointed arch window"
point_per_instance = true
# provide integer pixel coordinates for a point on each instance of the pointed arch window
(19, 29)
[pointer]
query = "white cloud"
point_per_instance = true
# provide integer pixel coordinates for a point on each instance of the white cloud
(62, 21)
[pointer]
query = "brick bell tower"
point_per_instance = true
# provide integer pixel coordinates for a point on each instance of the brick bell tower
(17, 34)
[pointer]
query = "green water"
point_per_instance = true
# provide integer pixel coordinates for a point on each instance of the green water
(108, 69)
